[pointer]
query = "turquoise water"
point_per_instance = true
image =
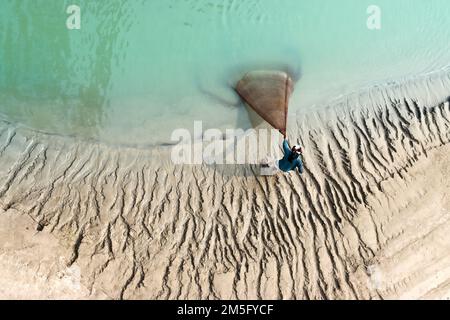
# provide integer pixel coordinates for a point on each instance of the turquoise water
(136, 70)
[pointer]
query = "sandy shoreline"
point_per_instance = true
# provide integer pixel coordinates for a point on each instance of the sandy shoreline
(369, 218)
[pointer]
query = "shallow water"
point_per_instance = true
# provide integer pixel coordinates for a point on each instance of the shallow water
(139, 69)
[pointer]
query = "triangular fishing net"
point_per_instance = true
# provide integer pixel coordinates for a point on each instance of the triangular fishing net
(268, 93)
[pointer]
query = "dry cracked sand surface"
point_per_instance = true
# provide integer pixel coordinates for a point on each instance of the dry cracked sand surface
(368, 219)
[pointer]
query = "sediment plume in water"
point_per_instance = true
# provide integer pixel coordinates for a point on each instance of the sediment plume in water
(368, 219)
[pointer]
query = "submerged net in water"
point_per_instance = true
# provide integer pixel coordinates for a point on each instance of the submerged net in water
(268, 93)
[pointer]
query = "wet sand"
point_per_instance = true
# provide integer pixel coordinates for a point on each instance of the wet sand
(369, 219)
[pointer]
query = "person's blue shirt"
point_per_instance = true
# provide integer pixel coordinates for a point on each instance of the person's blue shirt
(291, 160)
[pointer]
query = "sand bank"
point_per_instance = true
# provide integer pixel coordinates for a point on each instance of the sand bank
(368, 219)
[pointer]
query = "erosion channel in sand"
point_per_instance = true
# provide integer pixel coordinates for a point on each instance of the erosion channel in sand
(368, 219)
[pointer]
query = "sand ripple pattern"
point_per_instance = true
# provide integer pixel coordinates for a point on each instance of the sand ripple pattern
(364, 221)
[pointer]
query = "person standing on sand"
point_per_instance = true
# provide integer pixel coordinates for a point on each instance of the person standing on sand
(293, 158)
